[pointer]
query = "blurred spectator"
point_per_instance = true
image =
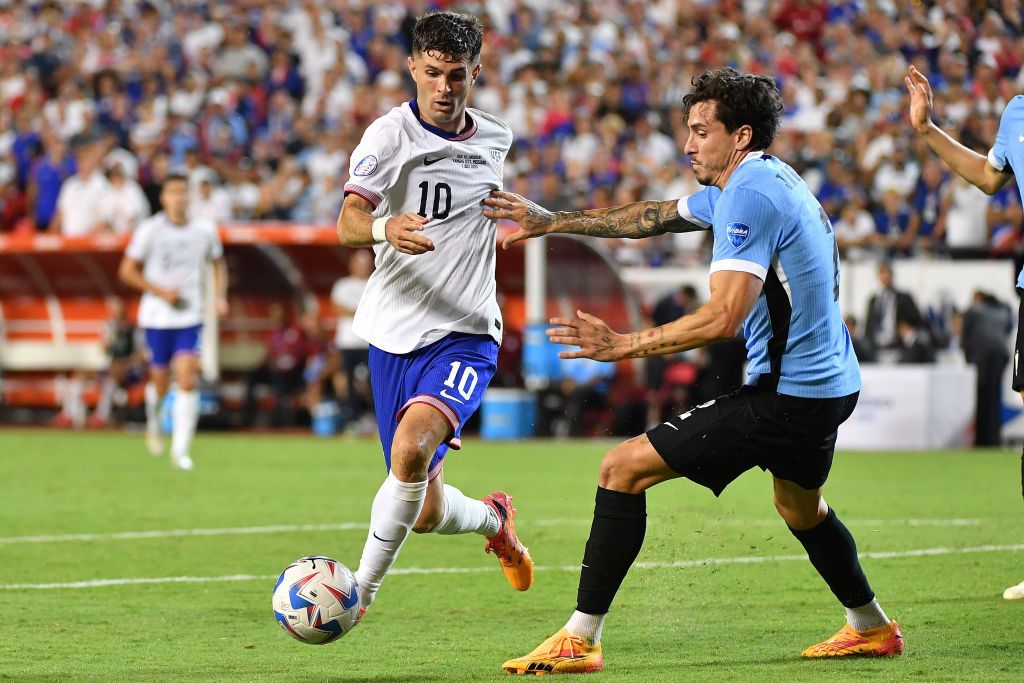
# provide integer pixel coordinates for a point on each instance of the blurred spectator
(123, 205)
(1004, 219)
(985, 340)
(915, 343)
(126, 362)
(862, 346)
(354, 350)
(570, 405)
(282, 369)
(47, 176)
(81, 196)
(887, 309)
(965, 208)
(273, 97)
(209, 201)
(855, 231)
(927, 220)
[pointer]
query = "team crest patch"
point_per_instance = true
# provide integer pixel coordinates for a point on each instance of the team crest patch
(366, 166)
(737, 233)
(496, 155)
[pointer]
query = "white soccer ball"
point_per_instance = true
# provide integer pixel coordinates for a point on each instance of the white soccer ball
(316, 600)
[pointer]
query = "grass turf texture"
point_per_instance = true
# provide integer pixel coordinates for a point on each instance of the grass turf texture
(723, 622)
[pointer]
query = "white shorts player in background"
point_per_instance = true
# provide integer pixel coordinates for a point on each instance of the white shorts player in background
(166, 261)
(417, 179)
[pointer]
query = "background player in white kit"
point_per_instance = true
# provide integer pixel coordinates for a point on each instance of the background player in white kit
(429, 311)
(166, 260)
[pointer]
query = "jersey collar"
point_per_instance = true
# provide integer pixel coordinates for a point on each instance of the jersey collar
(751, 156)
(464, 135)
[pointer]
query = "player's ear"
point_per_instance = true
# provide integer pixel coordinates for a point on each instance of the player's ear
(412, 67)
(476, 72)
(743, 135)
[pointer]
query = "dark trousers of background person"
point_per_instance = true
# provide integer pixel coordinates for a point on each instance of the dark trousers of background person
(356, 403)
(283, 387)
(988, 418)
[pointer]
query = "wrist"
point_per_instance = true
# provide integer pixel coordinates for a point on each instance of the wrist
(378, 229)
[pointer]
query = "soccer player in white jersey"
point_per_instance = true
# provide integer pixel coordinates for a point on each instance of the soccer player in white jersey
(166, 261)
(989, 173)
(429, 312)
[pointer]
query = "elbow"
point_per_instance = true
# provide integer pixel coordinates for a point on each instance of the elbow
(727, 327)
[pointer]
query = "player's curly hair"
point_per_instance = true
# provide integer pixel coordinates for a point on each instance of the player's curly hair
(741, 99)
(448, 35)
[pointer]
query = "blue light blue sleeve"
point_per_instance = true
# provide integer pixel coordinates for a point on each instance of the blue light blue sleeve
(699, 208)
(1012, 119)
(747, 232)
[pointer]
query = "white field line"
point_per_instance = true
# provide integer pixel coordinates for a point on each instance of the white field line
(680, 564)
(362, 526)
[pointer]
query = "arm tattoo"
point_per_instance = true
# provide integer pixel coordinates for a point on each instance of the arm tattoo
(636, 220)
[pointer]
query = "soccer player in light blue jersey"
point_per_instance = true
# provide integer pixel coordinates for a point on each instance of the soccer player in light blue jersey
(987, 173)
(775, 274)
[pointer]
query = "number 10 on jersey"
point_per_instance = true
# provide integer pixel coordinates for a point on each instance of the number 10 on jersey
(440, 189)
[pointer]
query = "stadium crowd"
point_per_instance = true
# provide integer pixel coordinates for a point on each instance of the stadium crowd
(262, 101)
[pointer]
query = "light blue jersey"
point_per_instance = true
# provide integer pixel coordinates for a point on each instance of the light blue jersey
(768, 223)
(1008, 152)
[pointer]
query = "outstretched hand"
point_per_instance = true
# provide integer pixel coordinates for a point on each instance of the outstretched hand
(595, 339)
(920, 99)
(533, 219)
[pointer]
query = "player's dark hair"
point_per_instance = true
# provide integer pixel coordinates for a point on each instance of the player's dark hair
(173, 178)
(741, 100)
(448, 35)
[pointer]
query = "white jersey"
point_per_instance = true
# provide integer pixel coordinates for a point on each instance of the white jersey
(402, 165)
(174, 256)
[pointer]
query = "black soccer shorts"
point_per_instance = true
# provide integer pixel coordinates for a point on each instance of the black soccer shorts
(793, 438)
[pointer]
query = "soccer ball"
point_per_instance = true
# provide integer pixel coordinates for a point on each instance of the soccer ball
(316, 600)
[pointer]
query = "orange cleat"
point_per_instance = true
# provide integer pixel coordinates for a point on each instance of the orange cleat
(884, 641)
(512, 554)
(559, 654)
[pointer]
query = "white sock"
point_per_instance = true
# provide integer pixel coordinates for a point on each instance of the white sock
(184, 412)
(74, 401)
(106, 398)
(395, 509)
(586, 626)
(866, 617)
(152, 409)
(463, 515)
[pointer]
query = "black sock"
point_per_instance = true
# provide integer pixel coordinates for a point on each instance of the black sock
(620, 521)
(833, 552)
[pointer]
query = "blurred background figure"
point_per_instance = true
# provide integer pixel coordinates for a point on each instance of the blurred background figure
(354, 397)
(282, 370)
(986, 330)
(885, 310)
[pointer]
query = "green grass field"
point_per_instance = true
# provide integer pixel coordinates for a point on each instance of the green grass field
(744, 617)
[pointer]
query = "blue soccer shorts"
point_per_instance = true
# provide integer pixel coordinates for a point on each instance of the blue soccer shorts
(164, 344)
(449, 375)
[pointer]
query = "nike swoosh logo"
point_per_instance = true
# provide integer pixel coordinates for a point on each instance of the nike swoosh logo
(444, 392)
(428, 162)
(382, 540)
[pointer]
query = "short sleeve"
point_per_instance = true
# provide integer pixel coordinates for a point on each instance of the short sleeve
(1014, 112)
(138, 247)
(699, 208)
(375, 163)
(747, 232)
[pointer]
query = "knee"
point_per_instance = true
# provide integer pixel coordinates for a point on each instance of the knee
(801, 516)
(410, 460)
(619, 472)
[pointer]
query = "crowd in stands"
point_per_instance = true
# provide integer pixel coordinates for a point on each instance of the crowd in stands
(261, 102)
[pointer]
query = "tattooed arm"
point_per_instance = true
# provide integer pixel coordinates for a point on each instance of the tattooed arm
(636, 220)
(733, 295)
